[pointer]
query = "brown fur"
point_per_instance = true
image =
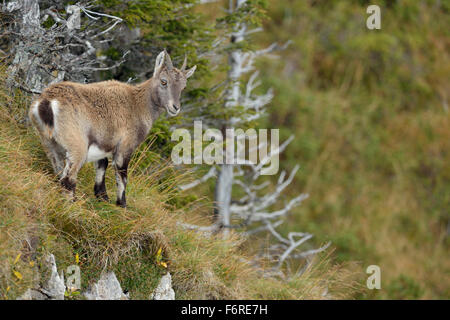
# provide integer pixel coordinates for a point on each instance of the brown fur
(112, 116)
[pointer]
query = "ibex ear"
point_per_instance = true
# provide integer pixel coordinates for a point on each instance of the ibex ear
(168, 61)
(159, 62)
(190, 72)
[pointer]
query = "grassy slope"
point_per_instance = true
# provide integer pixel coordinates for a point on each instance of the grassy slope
(373, 134)
(34, 213)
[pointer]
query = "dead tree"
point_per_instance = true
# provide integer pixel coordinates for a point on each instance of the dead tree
(49, 44)
(256, 210)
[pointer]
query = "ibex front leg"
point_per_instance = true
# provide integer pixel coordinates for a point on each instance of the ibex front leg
(121, 167)
(99, 187)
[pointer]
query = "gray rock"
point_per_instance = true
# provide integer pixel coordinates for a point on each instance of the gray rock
(107, 288)
(32, 294)
(55, 287)
(164, 289)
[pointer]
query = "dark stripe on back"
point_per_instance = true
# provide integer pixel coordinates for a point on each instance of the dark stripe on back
(46, 113)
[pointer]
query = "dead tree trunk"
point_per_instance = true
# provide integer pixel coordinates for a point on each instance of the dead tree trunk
(67, 50)
(256, 210)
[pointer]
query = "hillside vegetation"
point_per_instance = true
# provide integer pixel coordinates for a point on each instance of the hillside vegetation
(369, 109)
(36, 217)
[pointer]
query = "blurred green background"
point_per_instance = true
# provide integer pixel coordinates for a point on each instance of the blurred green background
(369, 109)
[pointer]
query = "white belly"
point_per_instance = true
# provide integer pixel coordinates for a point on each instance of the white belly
(95, 153)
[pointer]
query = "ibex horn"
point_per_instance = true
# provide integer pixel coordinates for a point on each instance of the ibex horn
(183, 67)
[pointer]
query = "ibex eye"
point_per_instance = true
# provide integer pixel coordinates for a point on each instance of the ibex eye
(163, 82)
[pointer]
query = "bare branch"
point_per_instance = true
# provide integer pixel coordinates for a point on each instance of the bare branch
(61, 52)
(257, 209)
(211, 173)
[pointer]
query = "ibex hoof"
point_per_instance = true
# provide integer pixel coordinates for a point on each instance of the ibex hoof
(121, 204)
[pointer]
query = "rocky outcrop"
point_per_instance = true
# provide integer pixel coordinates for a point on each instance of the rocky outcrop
(107, 288)
(55, 286)
(164, 289)
(53, 289)
(33, 294)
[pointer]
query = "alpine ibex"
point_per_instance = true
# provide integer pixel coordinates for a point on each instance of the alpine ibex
(81, 123)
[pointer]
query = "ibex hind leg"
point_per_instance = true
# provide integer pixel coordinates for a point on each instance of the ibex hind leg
(55, 154)
(74, 161)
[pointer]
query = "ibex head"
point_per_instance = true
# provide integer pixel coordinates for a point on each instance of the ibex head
(170, 81)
